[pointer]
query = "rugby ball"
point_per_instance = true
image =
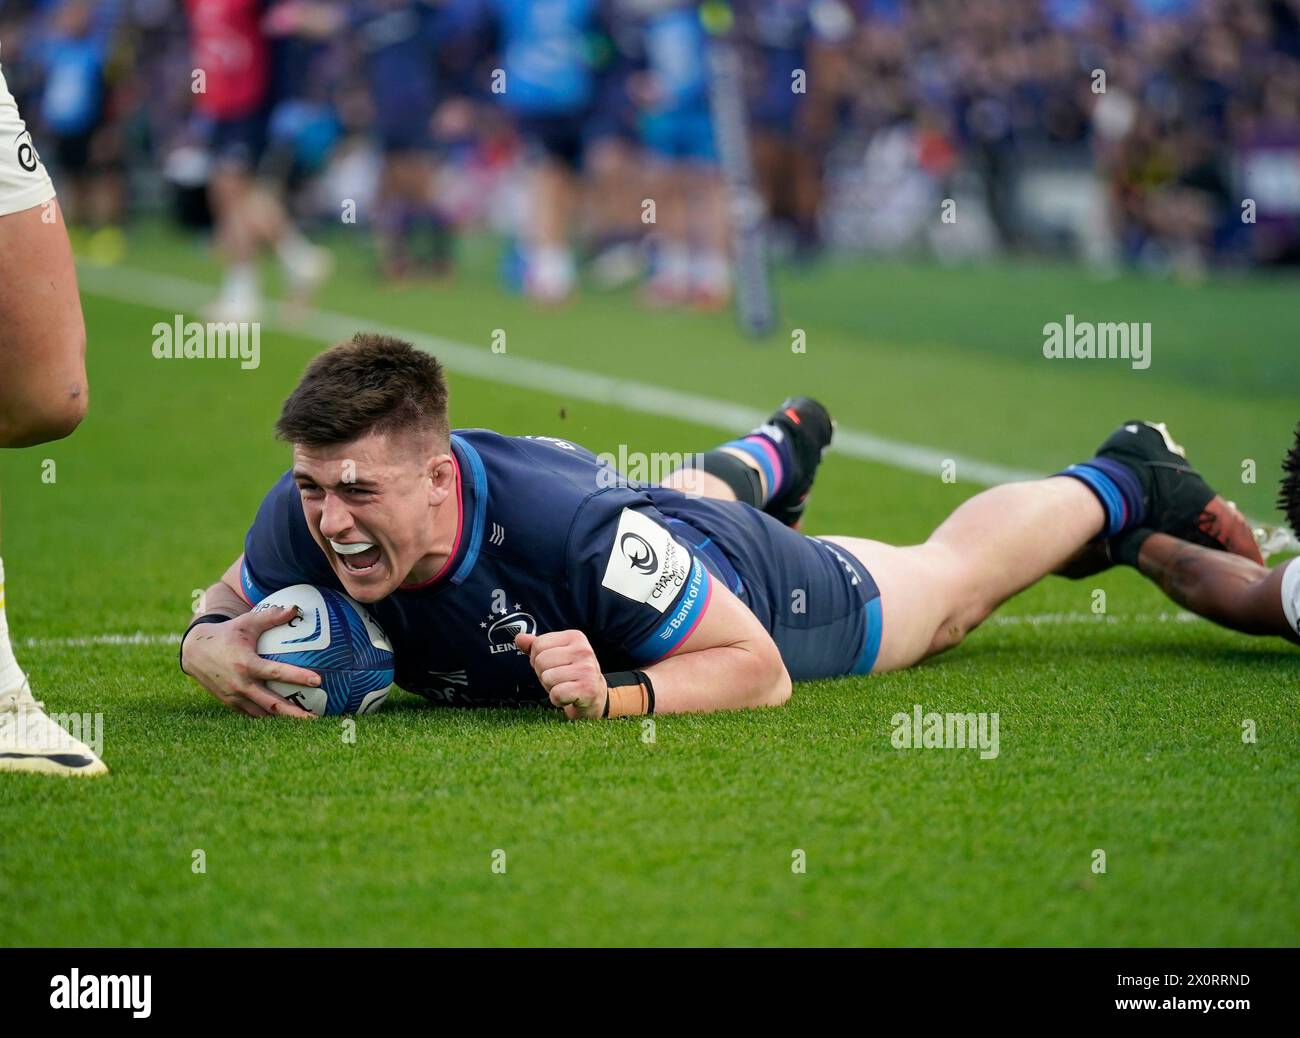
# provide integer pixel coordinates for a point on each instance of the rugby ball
(335, 637)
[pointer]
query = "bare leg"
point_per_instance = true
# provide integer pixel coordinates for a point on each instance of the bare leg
(235, 233)
(699, 483)
(612, 197)
(710, 259)
(993, 546)
(669, 283)
(43, 396)
(707, 212)
(43, 389)
(551, 275)
(250, 217)
(554, 205)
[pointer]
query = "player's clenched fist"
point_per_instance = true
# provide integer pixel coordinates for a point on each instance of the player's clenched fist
(566, 665)
(223, 658)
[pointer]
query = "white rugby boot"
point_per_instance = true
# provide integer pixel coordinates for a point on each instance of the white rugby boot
(30, 741)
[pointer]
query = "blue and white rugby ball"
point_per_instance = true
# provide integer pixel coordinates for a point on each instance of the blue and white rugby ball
(335, 637)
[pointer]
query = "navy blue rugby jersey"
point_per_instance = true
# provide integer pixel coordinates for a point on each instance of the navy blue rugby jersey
(547, 544)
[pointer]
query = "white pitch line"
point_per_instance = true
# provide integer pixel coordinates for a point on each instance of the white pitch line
(165, 291)
(1088, 619)
(157, 291)
(89, 640)
(1030, 620)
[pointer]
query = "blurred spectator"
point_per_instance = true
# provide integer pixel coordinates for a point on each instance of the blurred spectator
(232, 91)
(72, 53)
(691, 264)
(1160, 133)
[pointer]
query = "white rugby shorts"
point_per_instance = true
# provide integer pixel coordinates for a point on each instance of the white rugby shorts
(1291, 594)
(23, 180)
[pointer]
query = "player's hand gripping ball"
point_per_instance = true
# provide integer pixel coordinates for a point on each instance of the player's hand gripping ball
(335, 637)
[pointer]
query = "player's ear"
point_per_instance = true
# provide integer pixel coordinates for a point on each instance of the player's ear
(442, 478)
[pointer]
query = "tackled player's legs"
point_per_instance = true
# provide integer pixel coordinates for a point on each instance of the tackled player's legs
(1005, 539)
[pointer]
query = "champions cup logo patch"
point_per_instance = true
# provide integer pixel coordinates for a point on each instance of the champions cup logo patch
(645, 564)
(638, 552)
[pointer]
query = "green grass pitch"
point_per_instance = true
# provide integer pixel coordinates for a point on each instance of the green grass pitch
(1121, 733)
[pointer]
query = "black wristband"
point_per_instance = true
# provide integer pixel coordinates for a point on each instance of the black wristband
(206, 618)
(1126, 548)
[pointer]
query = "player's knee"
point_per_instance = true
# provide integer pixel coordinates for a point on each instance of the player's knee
(950, 633)
(782, 691)
(51, 420)
(963, 618)
(774, 680)
(74, 404)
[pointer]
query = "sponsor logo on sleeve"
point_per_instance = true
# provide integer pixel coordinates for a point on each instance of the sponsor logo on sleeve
(27, 157)
(678, 627)
(699, 586)
(645, 563)
(254, 593)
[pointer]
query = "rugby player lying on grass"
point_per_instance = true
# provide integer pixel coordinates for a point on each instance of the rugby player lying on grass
(508, 570)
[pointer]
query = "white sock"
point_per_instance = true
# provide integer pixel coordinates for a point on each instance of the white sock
(11, 675)
(295, 251)
(553, 272)
(674, 266)
(240, 283)
(712, 272)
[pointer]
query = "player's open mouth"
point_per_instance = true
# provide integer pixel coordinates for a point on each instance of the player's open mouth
(357, 556)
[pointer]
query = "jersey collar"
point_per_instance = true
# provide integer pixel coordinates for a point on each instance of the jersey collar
(471, 503)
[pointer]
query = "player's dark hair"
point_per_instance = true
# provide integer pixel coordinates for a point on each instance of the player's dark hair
(1289, 498)
(370, 383)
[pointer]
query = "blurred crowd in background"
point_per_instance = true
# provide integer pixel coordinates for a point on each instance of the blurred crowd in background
(1158, 133)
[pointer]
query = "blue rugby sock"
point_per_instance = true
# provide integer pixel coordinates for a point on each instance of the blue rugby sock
(1117, 488)
(771, 448)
